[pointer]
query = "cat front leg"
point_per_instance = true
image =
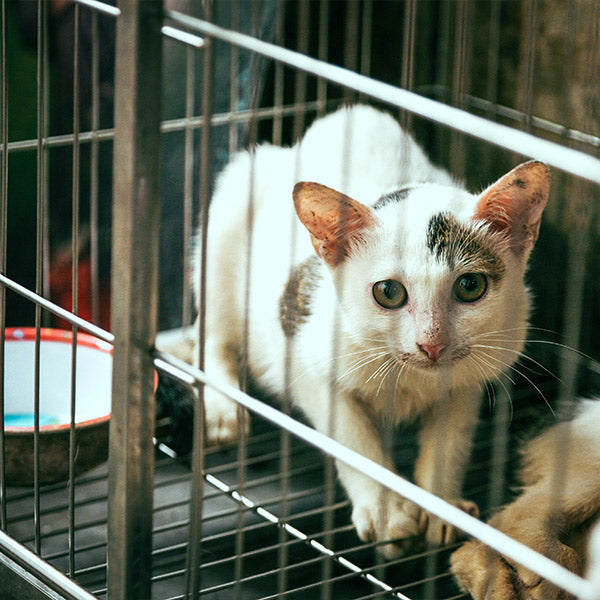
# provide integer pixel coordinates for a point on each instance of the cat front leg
(378, 514)
(445, 445)
(225, 419)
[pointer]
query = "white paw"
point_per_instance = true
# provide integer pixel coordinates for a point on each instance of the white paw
(225, 420)
(385, 516)
(440, 533)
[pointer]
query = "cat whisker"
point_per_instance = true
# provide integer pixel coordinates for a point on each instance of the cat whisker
(522, 355)
(381, 369)
(392, 363)
(498, 371)
(403, 366)
(509, 337)
(528, 379)
(339, 357)
(364, 361)
(489, 388)
(499, 374)
(512, 330)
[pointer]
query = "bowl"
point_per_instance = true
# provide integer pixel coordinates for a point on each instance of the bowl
(93, 386)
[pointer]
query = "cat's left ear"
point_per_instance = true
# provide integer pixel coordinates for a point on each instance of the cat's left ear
(335, 221)
(514, 204)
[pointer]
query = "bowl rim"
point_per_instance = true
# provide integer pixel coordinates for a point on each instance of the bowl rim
(65, 336)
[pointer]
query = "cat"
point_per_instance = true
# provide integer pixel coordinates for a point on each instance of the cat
(554, 514)
(373, 287)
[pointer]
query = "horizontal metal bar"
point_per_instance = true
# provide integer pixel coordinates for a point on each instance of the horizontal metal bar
(102, 7)
(520, 553)
(182, 36)
(46, 573)
(518, 116)
(167, 126)
(573, 161)
(84, 325)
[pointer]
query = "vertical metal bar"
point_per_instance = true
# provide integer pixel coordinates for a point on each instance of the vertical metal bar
(284, 436)
(408, 54)
(499, 459)
(75, 286)
(277, 137)
(300, 77)
(351, 42)
(323, 54)
(366, 37)
(460, 78)
(242, 441)
(528, 64)
(45, 184)
(3, 232)
(234, 74)
(443, 51)
(493, 62)
(192, 572)
(40, 177)
(94, 181)
(188, 181)
(136, 217)
(493, 70)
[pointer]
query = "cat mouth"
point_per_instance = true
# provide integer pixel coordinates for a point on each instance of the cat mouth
(444, 361)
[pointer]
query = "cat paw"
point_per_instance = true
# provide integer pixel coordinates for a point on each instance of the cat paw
(440, 533)
(387, 517)
(225, 420)
(483, 573)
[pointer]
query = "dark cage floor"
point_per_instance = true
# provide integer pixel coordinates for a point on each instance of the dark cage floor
(274, 523)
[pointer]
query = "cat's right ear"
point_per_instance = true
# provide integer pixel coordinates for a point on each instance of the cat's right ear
(335, 221)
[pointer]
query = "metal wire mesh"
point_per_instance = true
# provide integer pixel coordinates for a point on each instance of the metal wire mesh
(264, 518)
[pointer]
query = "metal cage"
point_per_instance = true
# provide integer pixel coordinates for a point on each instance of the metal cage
(88, 201)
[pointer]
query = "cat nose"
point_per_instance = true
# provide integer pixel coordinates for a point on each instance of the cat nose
(432, 351)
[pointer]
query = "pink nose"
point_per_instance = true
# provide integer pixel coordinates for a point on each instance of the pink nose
(432, 351)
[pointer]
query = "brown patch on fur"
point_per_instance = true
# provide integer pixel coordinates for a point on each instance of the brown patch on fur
(295, 304)
(462, 245)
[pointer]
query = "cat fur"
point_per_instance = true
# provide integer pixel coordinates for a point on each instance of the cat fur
(554, 514)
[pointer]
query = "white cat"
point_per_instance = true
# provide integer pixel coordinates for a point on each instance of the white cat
(383, 290)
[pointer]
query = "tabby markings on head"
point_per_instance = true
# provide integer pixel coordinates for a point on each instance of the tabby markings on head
(462, 245)
(395, 196)
(295, 304)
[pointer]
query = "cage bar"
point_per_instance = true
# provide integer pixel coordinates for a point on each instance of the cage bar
(134, 299)
(264, 518)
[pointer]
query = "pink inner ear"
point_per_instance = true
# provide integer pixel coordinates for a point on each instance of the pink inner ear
(496, 210)
(335, 221)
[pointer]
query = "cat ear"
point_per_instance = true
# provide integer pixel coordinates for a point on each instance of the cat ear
(514, 204)
(335, 221)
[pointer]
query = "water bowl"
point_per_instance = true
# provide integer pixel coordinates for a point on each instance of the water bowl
(93, 380)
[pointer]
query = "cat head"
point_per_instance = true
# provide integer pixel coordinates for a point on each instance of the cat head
(432, 272)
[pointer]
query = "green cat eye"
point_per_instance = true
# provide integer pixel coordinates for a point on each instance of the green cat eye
(390, 294)
(470, 287)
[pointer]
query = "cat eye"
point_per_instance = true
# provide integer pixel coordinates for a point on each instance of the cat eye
(470, 287)
(390, 294)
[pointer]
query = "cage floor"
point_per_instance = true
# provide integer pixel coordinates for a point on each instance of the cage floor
(274, 523)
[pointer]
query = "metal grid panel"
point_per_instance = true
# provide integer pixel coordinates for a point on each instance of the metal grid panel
(266, 517)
